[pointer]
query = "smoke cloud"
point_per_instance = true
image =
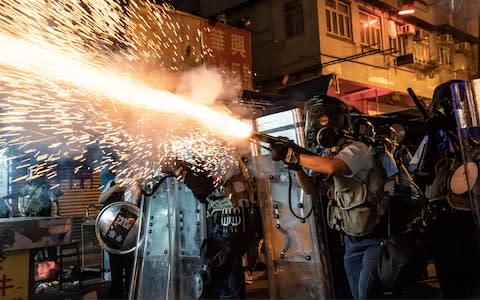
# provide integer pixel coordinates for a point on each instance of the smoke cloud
(207, 84)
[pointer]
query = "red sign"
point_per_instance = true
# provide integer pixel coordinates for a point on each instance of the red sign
(229, 47)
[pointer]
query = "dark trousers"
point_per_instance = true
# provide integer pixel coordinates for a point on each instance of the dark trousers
(336, 252)
(121, 266)
(361, 261)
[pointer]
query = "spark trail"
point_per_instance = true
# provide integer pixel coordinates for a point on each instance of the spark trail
(69, 83)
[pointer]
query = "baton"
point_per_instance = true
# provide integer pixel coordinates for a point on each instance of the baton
(418, 104)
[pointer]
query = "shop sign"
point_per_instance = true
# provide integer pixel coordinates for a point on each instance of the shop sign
(14, 271)
(230, 48)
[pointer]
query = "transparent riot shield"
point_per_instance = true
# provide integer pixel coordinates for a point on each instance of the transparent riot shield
(295, 241)
(295, 246)
(168, 258)
(464, 183)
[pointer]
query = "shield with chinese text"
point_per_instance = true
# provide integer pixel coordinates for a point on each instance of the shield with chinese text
(117, 227)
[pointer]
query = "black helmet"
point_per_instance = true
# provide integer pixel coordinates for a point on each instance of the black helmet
(442, 105)
(386, 131)
(363, 130)
(327, 113)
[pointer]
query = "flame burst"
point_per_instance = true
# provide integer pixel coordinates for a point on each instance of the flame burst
(70, 89)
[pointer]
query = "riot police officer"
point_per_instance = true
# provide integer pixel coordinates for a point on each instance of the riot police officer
(227, 192)
(451, 226)
(114, 190)
(354, 180)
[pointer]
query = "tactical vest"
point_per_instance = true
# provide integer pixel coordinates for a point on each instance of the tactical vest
(355, 206)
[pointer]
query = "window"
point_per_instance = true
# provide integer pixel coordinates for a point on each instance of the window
(294, 18)
(421, 52)
(399, 43)
(338, 18)
(444, 55)
(370, 30)
(398, 40)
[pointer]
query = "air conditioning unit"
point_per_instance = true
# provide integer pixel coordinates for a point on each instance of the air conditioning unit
(446, 39)
(464, 47)
(407, 29)
(421, 35)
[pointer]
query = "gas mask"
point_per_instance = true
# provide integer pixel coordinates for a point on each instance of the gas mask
(325, 120)
(364, 131)
(328, 137)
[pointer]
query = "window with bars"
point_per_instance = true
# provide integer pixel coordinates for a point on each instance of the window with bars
(397, 41)
(444, 55)
(370, 30)
(338, 18)
(294, 18)
(421, 52)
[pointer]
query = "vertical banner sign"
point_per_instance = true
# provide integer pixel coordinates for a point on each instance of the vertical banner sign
(14, 267)
(230, 48)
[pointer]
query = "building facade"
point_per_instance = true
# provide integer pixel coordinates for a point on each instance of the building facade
(372, 52)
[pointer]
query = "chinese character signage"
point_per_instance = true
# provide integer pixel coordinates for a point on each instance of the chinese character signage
(229, 47)
(14, 268)
(119, 229)
(179, 41)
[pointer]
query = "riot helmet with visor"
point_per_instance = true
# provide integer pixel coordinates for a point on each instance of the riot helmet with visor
(441, 108)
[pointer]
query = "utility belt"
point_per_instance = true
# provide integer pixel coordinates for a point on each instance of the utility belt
(229, 219)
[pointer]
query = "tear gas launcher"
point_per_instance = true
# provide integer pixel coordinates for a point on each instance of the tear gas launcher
(265, 138)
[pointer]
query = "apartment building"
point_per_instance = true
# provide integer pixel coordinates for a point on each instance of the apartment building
(369, 51)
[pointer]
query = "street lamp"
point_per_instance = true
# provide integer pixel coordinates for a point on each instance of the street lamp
(406, 7)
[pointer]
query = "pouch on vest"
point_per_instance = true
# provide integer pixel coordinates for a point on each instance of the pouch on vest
(354, 208)
(350, 210)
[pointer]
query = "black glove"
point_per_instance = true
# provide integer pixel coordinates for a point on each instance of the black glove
(201, 184)
(174, 167)
(278, 150)
(286, 151)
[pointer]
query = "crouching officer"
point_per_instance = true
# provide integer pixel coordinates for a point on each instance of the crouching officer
(227, 191)
(354, 206)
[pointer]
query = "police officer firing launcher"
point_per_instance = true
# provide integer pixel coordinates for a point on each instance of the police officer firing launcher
(354, 204)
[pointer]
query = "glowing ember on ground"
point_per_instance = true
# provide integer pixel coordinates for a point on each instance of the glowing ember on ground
(69, 83)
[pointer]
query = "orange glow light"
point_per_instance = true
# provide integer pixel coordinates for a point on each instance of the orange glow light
(406, 12)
